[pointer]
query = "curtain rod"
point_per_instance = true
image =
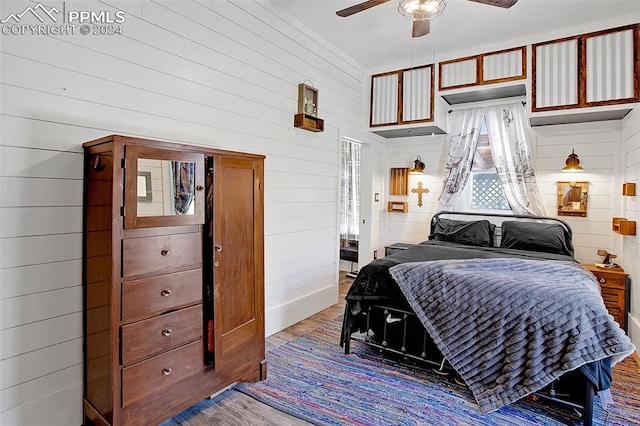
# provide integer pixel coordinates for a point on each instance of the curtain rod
(522, 102)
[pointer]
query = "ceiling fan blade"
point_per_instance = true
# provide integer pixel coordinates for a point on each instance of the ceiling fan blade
(500, 3)
(359, 7)
(420, 28)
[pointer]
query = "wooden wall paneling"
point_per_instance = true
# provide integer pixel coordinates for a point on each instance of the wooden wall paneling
(40, 306)
(22, 162)
(24, 251)
(15, 396)
(32, 365)
(34, 221)
(263, 49)
(183, 111)
(42, 334)
(27, 192)
(597, 142)
(630, 246)
(57, 405)
(39, 278)
(313, 281)
(266, 50)
(209, 72)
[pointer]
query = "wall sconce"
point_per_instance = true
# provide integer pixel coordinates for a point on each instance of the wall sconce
(418, 167)
(573, 163)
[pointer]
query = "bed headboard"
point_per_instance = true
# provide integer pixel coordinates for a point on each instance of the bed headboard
(497, 220)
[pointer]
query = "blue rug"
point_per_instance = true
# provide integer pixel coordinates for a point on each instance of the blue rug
(311, 378)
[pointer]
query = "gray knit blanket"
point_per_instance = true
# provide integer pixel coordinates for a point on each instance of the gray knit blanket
(509, 327)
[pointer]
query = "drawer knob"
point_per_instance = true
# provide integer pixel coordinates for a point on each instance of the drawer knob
(218, 248)
(166, 332)
(602, 280)
(165, 293)
(165, 252)
(166, 371)
(199, 188)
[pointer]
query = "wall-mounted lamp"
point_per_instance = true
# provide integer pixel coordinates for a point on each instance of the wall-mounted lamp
(573, 163)
(418, 167)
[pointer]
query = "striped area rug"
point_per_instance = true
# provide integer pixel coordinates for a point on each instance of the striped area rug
(313, 379)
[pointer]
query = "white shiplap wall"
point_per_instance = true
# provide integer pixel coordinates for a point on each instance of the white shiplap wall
(631, 210)
(413, 227)
(212, 73)
(598, 148)
(597, 144)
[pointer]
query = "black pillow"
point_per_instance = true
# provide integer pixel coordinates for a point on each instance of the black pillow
(534, 236)
(473, 233)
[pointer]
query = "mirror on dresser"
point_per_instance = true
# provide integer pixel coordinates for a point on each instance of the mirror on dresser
(163, 188)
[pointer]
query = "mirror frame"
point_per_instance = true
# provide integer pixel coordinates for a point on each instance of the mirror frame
(131, 218)
(577, 208)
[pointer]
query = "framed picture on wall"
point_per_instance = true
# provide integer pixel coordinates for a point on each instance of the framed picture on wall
(144, 187)
(572, 198)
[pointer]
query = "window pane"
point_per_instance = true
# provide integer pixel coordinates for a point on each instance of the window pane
(483, 160)
(487, 193)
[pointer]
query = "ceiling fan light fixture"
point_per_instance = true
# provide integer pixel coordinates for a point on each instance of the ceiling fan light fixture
(421, 10)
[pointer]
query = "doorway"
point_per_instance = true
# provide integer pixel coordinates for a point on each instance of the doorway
(350, 190)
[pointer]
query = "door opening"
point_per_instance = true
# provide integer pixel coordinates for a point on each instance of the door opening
(350, 203)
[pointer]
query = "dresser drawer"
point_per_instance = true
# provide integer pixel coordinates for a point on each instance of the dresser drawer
(611, 281)
(144, 338)
(151, 296)
(151, 376)
(162, 253)
(613, 297)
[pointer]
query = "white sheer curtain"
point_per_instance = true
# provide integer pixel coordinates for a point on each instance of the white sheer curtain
(510, 138)
(349, 191)
(463, 142)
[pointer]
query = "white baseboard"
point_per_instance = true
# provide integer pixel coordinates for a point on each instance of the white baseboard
(633, 330)
(282, 316)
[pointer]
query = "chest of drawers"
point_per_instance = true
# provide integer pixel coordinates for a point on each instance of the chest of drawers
(614, 286)
(170, 317)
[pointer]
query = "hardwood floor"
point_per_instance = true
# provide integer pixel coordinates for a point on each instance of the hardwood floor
(237, 409)
(233, 408)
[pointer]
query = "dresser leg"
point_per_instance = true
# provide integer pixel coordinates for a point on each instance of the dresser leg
(263, 369)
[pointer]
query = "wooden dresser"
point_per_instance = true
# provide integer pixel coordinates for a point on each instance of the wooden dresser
(614, 286)
(173, 277)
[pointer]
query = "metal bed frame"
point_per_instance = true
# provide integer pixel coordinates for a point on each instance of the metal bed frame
(430, 355)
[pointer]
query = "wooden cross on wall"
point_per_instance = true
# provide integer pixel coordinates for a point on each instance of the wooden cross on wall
(420, 190)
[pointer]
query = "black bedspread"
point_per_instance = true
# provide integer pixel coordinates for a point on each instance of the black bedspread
(374, 285)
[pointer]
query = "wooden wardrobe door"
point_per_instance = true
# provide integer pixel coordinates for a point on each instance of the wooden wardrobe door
(238, 274)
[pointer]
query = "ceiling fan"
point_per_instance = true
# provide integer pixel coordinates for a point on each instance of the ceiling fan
(419, 11)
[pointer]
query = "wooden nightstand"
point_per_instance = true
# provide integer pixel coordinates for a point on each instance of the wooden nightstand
(614, 285)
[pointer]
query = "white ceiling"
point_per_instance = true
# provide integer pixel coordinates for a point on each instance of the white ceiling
(380, 37)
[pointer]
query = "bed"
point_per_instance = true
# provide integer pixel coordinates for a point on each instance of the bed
(500, 302)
